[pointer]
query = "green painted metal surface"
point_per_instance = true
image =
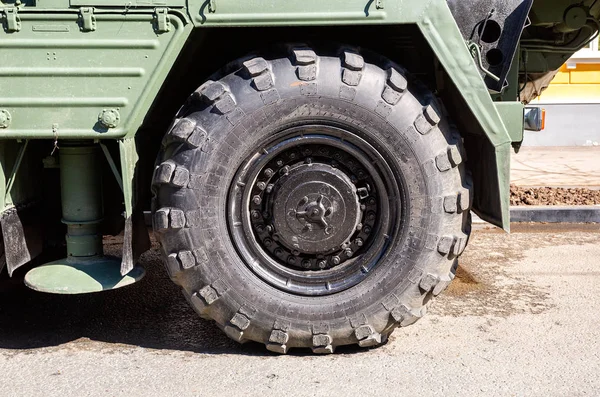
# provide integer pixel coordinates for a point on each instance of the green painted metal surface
(57, 77)
(81, 277)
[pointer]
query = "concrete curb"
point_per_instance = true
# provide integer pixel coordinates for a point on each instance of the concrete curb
(556, 214)
(552, 214)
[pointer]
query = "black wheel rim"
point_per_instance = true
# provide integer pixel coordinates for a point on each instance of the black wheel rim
(315, 210)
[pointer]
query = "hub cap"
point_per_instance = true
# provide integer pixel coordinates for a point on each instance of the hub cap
(312, 213)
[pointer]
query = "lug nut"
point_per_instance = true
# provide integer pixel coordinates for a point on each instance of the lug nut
(260, 228)
(359, 242)
(359, 226)
(268, 242)
(269, 229)
(348, 252)
(256, 200)
(335, 260)
(306, 264)
(279, 163)
(308, 160)
(371, 201)
(278, 251)
(295, 252)
(285, 170)
(255, 215)
(269, 188)
(261, 185)
(367, 230)
(291, 260)
(371, 216)
(269, 172)
(322, 264)
(293, 155)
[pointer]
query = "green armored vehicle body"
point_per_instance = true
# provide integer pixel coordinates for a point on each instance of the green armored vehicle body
(310, 167)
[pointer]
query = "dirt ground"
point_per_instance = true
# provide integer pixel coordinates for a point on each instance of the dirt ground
(553, 196)
(520, 319)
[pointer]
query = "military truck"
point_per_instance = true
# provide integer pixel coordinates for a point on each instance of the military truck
(304, 162)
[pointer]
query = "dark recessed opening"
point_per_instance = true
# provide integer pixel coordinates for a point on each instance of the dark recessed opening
(491, 33)
(494, 57)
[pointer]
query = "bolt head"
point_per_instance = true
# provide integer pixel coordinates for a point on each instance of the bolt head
(335, 260)
(367, 230)
(257, 200)
(269, 172)
(269, 188)
(261, 185)
(322, 264)
(291, 260)
(5, 118)
(359, 242)
(255, 215)
(109, 118)
(348, 252)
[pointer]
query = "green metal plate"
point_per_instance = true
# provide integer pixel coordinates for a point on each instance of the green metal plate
(69, 276)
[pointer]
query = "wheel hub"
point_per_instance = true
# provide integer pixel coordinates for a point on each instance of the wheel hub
(316, 208)
(310, 212)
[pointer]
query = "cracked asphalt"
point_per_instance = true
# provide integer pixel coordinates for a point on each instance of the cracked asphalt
(521, 318)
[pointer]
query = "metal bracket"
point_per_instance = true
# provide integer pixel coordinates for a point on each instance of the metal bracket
(379, 4)
(15, 170)
(212, 6)
(13, 22)
(163, 24)
(112, 165)
(88, 20)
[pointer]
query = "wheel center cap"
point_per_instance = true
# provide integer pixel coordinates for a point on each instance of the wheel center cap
(315, 213)
(315, 209)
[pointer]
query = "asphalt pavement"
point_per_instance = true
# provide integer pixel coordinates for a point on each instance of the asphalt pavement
(521, 319)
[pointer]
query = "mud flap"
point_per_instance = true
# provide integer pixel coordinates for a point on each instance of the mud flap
(136, 241)
(22, 242)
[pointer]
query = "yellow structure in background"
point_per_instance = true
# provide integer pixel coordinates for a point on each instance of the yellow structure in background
(578, 81)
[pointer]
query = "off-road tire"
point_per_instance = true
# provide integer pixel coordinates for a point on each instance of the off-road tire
(229, 117)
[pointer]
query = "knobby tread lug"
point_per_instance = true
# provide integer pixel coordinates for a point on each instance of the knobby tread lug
(279, 337)
(258, 69)
(449, 159)
(321, 340)
(394, 88)
(239, 323)
(446, 245)
(206, 296)
(353, 65)
(367, 337)
(187, 130)
(451, 204)
(169, 218)
(427, 120)
(404, 316)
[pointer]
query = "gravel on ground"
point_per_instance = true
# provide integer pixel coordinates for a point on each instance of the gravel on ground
(553, 196)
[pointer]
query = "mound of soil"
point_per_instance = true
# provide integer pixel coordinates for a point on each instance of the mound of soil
(553, 196)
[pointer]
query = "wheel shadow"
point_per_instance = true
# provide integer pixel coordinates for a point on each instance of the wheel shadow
(152, 313)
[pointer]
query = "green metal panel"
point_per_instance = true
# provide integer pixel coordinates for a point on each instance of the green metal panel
(56, 80)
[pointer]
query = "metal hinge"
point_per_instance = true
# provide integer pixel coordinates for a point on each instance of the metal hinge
(163, 24)
(88, 20)
(13, 22)
(379, 4)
